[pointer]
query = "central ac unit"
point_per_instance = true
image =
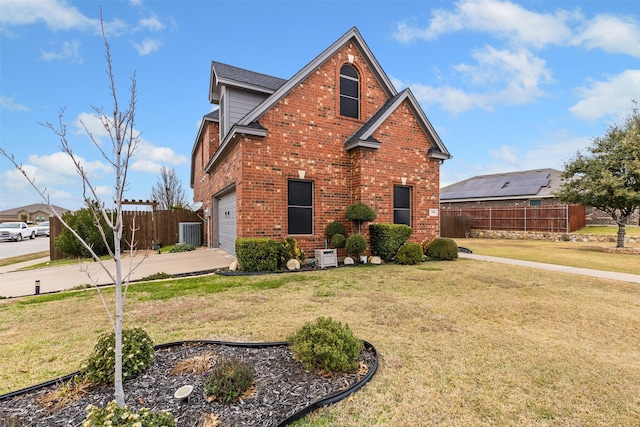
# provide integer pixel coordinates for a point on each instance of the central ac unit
(190, 233)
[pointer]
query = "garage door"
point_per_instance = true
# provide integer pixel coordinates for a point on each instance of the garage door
(226, 217)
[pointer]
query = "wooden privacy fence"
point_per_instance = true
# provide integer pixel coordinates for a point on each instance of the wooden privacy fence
(563, 219)
(161, 227)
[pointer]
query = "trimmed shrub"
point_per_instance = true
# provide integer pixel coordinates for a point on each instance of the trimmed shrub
(443, 248)
(115, 416)
(410, 253)
(338, 241)
(326, 345)
(137, 354)
(258, 254)
(356, 244)
(228, 380)
(386, 239)
(336, 227)
(359, 213)
(182, 247)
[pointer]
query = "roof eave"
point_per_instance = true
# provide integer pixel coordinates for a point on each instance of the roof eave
(229, 140)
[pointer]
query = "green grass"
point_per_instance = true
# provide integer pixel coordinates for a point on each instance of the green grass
(23, 258)
(611, 230)
(460, 343)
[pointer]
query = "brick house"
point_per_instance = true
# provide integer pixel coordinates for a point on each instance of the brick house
(284, 157)
(35, 213)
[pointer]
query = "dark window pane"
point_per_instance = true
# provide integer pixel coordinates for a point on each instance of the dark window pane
(348, 70)
(349, 107)
(402, 217)
(300, 221)
(401, 197)
(300, 193)
(349, 88)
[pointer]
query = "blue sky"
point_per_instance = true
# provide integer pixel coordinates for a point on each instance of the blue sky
(508, 85)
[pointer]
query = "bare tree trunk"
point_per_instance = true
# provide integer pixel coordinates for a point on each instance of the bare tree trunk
(621, 233)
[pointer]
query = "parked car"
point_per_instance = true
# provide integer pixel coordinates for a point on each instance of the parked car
(42, 229)
(16, 231)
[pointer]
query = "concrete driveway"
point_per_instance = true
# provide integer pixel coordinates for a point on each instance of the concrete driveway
(52, 279)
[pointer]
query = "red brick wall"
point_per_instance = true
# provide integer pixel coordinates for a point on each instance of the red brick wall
(306, 133)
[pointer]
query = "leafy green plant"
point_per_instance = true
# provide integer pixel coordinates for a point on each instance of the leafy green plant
(338, 241)
(386, 239)
(410, 253)
(228, 380)
(336, 227)
(356, 244)
(182, 247)
(359, 213)
(326, 345)
(157, 276)
(258, 254)
(114, 415)
(443, 248)
(137, 354)
(291, 250)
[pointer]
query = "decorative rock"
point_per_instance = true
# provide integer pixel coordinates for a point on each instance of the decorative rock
(376, 260)
(293, 264)
(233, 266)
(348, 261)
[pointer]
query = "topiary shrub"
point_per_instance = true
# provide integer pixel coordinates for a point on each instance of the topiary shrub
(228, 380)
(386, 239)
(182, 247)
(443, 248)
(326, 345)
(338, 241)
(137, 354)
(258, 254)
(356, 244)
(336, 227)
(115, 416)
(359, 213)
(410, 253)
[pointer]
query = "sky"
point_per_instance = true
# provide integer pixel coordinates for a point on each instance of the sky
(508, 85)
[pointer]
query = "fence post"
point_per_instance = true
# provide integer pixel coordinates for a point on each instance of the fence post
(525, 218)
(490, 219)
(566, 215)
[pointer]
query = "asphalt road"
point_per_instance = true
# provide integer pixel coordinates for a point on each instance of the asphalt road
(27, 246)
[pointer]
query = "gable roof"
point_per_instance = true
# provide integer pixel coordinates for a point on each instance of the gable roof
(363, 137)
(33, 208)
(536, 183)
(224, 74)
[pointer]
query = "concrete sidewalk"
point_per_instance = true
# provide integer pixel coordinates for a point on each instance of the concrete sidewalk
(612, 275)
(52, 279)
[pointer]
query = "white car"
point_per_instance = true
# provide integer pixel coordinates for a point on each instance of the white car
(42, 229)
(16, 231)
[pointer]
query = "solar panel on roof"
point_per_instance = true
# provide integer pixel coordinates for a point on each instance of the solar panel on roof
(508, 185)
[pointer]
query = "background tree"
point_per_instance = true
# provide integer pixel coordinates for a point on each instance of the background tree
(608, 176)
(168, 191)
(120, 126)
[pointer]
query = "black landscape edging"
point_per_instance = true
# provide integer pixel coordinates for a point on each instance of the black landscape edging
(327, 400)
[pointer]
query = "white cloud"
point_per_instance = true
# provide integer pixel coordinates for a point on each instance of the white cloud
(146, 166)
(609, 97)
(148, 153)
(505, 153)
(612, 34)
(93, 125)
(8, 103)
(57, 15)
(152, 23)
(70, 50)
(147, 46)
(503, 19)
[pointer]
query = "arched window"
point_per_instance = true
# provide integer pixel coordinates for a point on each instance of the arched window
(349, 92)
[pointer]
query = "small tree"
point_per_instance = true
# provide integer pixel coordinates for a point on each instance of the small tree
(608, 177)
(359, 213)
(124, 142)
(168, 191)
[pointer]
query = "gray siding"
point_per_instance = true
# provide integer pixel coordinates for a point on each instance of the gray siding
(241, 102)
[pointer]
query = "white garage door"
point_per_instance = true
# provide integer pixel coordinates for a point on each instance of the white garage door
(227, 222)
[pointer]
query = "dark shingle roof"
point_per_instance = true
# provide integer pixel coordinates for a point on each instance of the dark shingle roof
(231, 73)
(537, 182)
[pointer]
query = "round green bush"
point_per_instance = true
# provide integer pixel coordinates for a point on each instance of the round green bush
(338, 241)
(359, 212)
(137, 355)
(443, 248)
(336, 227)
(356, 244)
(182, 247)
(228, 380)
(326, 345)
(410, 253)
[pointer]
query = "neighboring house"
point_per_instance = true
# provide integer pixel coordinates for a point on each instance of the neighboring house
(284, 158)
(35, 213)
(522, 188)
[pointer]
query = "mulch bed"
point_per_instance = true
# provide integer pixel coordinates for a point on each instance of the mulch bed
(282, 388)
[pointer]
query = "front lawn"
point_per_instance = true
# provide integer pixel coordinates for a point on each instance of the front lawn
(460, 343)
